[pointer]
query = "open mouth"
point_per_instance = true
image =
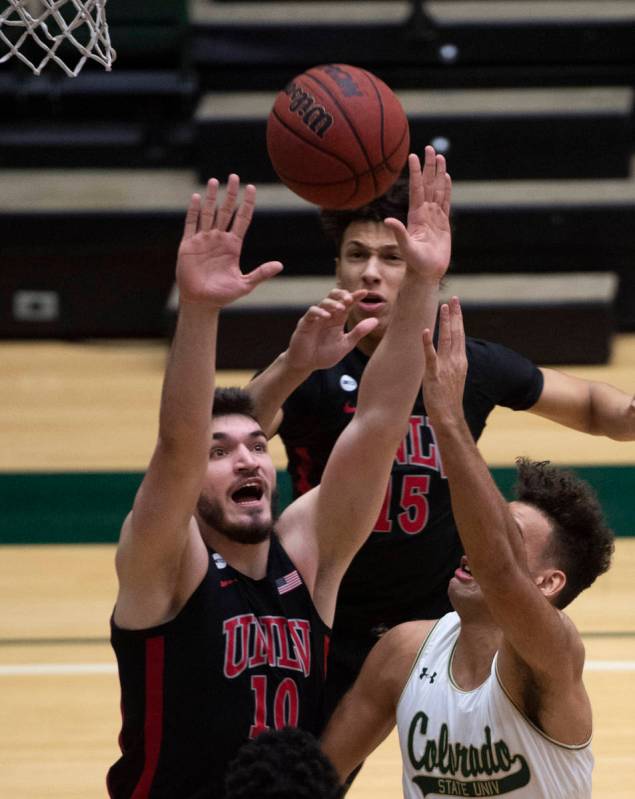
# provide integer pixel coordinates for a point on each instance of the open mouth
(247, 493)
(372, 301)
(463, 572)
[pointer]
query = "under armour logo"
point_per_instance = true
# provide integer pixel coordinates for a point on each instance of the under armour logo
(429, 677)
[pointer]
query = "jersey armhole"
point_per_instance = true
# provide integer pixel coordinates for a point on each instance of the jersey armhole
(529, 722)
(416, 660)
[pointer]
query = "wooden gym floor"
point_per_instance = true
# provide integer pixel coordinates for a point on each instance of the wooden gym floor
(73, 407)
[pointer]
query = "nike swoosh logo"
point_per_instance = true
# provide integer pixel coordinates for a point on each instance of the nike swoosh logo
(348, 408)
(225, 583)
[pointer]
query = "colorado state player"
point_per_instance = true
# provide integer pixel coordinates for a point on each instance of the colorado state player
(220, 622)
(402, 571)
(490, 700)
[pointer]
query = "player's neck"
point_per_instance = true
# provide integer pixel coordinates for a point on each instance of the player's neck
(476, 646)
(249, 559)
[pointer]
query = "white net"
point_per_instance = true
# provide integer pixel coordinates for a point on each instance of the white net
(68, 32)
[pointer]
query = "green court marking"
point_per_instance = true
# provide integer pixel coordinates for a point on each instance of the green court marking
(89, 507)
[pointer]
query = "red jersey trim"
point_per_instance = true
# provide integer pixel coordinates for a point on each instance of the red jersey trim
(305, 462)
(153, 725)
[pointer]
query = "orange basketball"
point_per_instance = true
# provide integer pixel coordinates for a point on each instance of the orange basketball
(337, 136)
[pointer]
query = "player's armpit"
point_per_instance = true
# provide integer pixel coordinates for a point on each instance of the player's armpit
(155, 584)
(552, 695)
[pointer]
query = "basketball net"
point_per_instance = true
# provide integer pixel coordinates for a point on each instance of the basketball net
(51, 25)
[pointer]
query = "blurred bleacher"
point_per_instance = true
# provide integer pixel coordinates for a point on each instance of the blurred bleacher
(532, 103)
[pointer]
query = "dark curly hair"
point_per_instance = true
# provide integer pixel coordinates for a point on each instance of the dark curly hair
(233, 400)
(393, 203)
(282, 764)
(582, 544)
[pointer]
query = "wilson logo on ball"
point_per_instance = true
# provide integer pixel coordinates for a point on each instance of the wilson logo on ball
(337, 136)
(344, 80)
(314, 116)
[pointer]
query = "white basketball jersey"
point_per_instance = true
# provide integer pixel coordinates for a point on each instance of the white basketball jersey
(477, 743)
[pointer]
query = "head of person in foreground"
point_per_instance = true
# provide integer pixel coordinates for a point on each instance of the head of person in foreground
(282, 764)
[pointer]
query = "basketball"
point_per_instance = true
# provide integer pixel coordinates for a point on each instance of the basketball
(337, 136)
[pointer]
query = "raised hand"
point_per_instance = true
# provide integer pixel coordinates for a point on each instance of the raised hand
(426, 242)
(320, 339)
(445, 368)
(208, 266)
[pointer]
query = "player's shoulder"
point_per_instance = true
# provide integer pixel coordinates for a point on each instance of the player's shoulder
(398, 648)
(329, 390)
(480, 347)
(489, 359)
(344, 376)
(573, 644)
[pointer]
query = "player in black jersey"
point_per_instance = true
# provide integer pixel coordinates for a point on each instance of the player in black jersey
(221, 622)
(402, 571)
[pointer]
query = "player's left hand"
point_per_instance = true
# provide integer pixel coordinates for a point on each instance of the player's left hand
(445, 368)
(426, 242)
(208, 266)
(320, 339)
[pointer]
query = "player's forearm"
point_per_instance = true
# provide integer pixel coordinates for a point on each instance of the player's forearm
(272, 387)
(188, 386)
(612, 412)
(356, 728)
(486, 527)
(393, 375)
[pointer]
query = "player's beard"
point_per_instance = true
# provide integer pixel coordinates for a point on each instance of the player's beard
(251, 532)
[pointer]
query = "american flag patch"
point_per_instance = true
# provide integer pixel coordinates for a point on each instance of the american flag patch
(288, 582)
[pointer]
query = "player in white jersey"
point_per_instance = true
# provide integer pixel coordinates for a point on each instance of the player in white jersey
(488, 701)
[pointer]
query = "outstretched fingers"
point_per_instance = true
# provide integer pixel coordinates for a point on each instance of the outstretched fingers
(429, 172)
(314, 314)
(261, 273)
(435, 187)
(444, 344)
(208, 210)
(244, 215)
(457, 330)
(429, 353)
(191, 217)
(225, 212)
(416, 193)
(445, 196)
(434, 177)
(333, 305)
(401, 233)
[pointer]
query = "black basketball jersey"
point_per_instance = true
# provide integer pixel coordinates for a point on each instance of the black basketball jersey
(402, 570)
(242, 656)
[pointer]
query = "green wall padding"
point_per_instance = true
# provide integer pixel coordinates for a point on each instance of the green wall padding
(89, 507)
